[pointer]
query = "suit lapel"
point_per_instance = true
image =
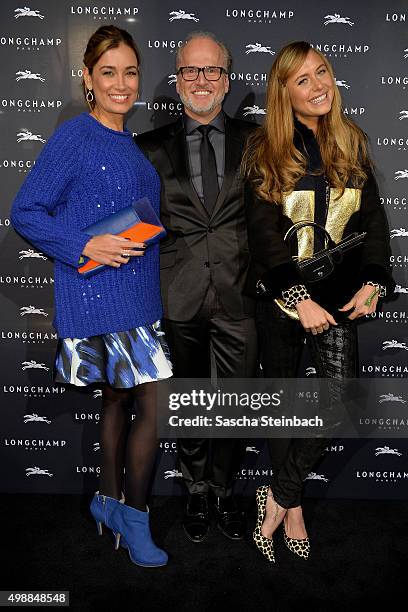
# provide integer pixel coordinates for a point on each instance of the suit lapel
(176, 148)
(233, 154)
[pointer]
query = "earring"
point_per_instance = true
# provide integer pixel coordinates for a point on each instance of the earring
(89, 96)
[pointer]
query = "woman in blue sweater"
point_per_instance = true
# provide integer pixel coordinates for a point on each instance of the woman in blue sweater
(108, 324)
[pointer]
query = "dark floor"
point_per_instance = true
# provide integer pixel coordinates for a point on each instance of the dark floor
(358, 559)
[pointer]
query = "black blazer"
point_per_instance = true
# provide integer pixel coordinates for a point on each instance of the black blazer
(199, 247)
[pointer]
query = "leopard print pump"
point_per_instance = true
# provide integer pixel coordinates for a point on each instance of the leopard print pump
(298, 547)
(265, 545)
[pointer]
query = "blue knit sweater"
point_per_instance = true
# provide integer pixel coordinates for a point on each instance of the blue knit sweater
(84, 173)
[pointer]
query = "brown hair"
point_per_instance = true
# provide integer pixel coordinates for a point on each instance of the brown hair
(105, 38)
(271, 160)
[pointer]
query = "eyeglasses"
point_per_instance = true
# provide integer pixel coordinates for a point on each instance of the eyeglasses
(211, 73)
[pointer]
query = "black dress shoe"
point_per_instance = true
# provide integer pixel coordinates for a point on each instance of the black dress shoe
(196, 522)
(230, 520)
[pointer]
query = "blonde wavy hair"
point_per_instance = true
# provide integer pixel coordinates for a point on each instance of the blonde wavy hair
(272, 162)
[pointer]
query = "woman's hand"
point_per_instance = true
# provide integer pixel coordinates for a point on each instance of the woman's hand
(112, 250)
(313, 317)
(361, 302)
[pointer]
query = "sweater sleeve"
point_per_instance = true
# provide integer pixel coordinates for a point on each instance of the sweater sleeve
(270, 256)
(376, 250)
(34, 212)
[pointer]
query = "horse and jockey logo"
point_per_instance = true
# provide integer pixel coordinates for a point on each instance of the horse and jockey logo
(386, 450)
(403, 115)
(34, 418)
(172, 474)
(38, 472)
(26, 310)
(399, 289)
(310, 371)
(27, 12)
(32, 254)
(27, 135)
(342, 84)
(97, 393)
(406, 53)
(172, 79)
(398, 233)
(96, 446)
(258, 48)
(401, 174)
(254, 110)
(252, 449)
(336, 18)
(182, 15)
(390, 397)
(314, 476)
(27, 74)
(33, 365)
(390, 344)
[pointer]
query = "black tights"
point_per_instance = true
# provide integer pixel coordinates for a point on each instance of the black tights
(127, 445)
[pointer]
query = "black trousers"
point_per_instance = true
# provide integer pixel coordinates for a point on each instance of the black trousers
(211, 341)
(334, 353)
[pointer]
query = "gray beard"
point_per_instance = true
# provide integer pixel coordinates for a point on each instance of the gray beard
(202, 110)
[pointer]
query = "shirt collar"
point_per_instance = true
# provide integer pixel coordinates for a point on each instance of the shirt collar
(191, 124)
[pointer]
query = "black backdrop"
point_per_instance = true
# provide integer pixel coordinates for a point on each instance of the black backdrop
(49, 434)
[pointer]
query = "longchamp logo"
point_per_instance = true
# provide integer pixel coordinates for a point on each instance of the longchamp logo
(385, 371)
(400, 289)
(401, 174)
(35, 418)
(342, 83)
(252, 449)
(29, 43)
(22, 165)
(336, 18)
(252, 79)
(28, 282)
(399, 233)
(33, 390)
(172, 474)
(27, 74)
(172, 78)
(394, 79)
(171, 108)
(35, 105)
(400, 144)
(88, 469)
(253, 474)
(34, 444)
(390, 397)
(180, 14)
(258, 15)
(27, 12)
(396, 202)
(105, 12)
(31, 254)
(401, 17)
(168, 447)
(382, 476)
(386, 450)
(253, 110)
(340, 49)
(172, 45)
(37, 471)
(314, 476)
(28, 310)
(390, 316)
(33, 365)
(25, 135)
(403, 115)
(258, 48)
(394, 344)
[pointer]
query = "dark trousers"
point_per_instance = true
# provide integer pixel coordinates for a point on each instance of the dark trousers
(210, 343)
(334, 355)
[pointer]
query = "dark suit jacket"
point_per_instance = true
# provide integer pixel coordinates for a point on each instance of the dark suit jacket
(199, 247)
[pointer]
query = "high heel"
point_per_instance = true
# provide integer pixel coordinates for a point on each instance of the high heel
(133, 531)
(101, 509)
(264, 544)
(298, 547)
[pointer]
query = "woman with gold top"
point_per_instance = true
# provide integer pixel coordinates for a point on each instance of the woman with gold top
(308, 162)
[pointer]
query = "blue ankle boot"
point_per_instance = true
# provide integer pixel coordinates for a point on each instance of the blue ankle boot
(101, 509)
(132, 528)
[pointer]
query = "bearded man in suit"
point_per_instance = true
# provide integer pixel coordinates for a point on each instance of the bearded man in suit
(209, 324)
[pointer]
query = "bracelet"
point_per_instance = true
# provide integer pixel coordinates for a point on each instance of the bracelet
(294, 295)
(381, 290)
